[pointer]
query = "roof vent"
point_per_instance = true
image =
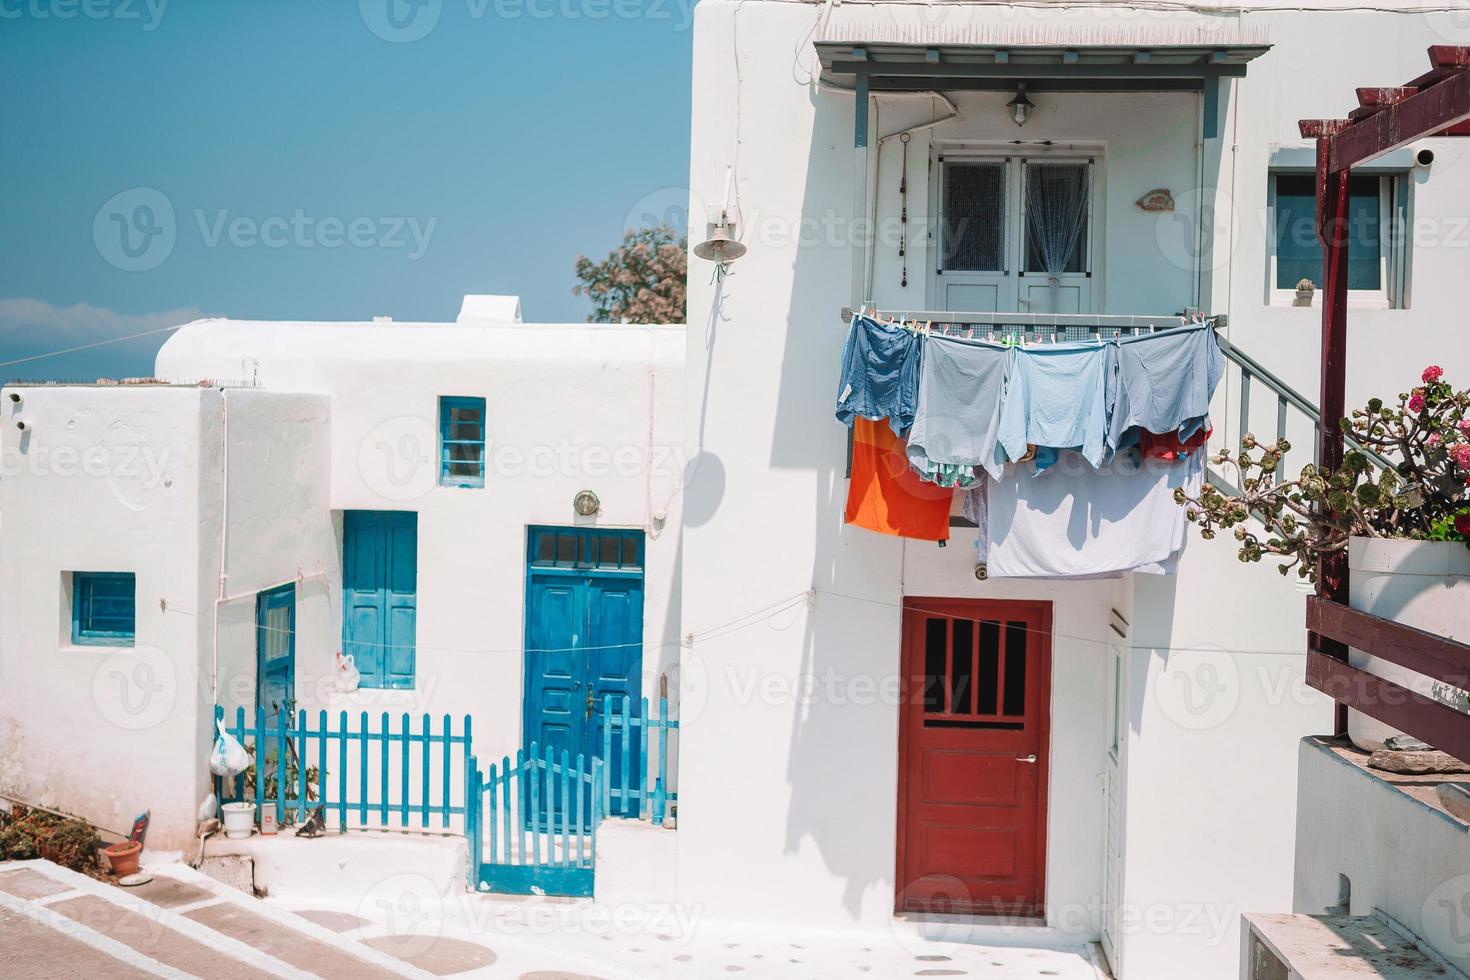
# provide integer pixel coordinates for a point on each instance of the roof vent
(484, 308)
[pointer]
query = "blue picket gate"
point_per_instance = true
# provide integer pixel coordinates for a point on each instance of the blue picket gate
(388, 775)
(625, 743)
(532, 824)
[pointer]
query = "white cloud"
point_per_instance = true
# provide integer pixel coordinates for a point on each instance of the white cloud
(32, 327)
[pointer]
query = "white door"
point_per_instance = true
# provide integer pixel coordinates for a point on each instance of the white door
(1113, 801)
(996, 216)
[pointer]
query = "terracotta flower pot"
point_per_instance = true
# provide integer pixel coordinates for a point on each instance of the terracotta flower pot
(123, 857)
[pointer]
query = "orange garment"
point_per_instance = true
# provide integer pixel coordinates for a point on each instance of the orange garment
(884, 495)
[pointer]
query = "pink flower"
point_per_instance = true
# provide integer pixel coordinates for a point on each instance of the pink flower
(1433, 440)
(1416, 402)
(1461, 453)
(1464, 426)
(1433, 373)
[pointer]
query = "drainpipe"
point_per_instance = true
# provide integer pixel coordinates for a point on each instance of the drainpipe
(224, 528)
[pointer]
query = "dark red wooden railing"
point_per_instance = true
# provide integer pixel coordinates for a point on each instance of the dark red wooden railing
(1436, 103)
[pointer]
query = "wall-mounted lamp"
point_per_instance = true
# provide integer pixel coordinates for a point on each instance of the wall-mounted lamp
(585, 503)
(1020, 107)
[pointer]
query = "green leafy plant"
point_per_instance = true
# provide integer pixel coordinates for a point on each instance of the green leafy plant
(1424, 496)
(293, 777)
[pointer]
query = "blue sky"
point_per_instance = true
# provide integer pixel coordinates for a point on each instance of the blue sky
(332, 159)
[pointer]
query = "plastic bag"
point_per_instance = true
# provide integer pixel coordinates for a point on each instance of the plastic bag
(228, 757)
(348, 676)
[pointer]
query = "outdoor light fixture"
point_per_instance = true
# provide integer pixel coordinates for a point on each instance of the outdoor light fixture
(585, 503)
(720, 247)
(1020, 107)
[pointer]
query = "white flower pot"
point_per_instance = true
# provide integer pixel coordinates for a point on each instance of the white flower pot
(1425, 584)
(239, 820)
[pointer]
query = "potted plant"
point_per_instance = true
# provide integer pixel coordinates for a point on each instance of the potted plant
(123, 857)
(1406, 528)
(1305, 289)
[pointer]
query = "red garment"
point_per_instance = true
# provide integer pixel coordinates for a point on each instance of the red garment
(885, 495)
(1169, 445)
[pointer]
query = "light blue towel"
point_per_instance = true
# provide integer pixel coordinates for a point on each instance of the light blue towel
(961, 386)
(1057, 398)
(1163, 382)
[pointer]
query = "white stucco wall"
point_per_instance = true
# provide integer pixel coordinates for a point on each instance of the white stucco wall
(107, 479)
(280, 530)
(1401, 856)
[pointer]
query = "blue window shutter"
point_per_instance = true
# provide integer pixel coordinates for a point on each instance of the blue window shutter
(104, 608)
(380, 595)
(401, 588)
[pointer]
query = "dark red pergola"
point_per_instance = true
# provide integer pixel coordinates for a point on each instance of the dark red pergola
(1437, 103)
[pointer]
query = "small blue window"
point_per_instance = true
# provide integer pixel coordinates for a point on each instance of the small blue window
(461, 442)
(103, 608)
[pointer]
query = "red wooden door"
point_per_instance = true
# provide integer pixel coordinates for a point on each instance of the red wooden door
(973, 756)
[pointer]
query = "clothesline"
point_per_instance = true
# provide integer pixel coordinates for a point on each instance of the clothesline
(1069, 327)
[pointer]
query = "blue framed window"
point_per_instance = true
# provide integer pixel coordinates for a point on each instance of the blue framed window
(103, 608)
(461, 442)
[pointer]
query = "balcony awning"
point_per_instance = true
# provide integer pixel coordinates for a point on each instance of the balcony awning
(965, 48)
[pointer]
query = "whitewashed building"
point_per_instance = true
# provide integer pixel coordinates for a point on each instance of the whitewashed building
(1161, 803)
(221, 499)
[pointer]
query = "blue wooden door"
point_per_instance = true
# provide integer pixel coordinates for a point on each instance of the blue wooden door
(275, 650)
(380, 595)
(584, 634)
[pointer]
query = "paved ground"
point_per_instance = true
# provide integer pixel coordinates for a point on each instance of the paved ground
(55, 923)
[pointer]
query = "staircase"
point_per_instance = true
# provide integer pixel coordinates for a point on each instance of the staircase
(56, 922)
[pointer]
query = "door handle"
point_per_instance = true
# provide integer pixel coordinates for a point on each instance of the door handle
(591, 702)
(1026, 758)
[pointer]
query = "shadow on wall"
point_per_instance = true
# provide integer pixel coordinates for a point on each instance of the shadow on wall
(842, 756)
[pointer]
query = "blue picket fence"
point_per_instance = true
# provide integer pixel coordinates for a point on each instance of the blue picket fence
(625, 744)
(394, 775)
(532, 824)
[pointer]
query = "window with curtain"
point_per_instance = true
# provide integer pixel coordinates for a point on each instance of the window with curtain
(1056, 217)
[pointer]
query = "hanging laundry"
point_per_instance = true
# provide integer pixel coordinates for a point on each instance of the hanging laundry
(943, 474)
(1162, 382)
(1077, 520)
(962, 384)
(1169, 445)
(1056, 397)
(880, 374)
(885, 495)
